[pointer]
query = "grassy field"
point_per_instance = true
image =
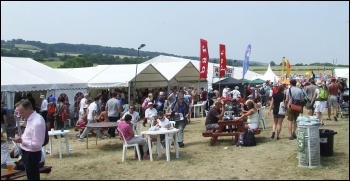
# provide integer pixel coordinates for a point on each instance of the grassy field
(53, 64)
(27, 47)
(270, 159)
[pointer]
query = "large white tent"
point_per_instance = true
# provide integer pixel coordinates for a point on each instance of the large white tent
(182, 73)
(237, 72)
(269, 75)
(28, 75)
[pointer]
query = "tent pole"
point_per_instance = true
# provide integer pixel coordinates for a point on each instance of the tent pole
(129, 94)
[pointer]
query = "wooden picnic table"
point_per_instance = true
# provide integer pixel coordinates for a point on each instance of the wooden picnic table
(227, 128)
(6, 175)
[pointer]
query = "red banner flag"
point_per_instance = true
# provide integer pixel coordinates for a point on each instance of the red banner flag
(222, 60)
(203, 60)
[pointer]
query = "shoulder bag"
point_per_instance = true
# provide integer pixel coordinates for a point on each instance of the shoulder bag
(295, 104)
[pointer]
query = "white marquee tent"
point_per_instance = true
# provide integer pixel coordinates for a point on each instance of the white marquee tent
(28, 75)
(269, 75)
(237, 72)
(182, 73)
(342, 72)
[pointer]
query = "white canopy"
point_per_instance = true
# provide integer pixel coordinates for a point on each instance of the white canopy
(121, 75)
(26, 74)
(237, 72)
(85, 73)
(178, 72)
(269, 75)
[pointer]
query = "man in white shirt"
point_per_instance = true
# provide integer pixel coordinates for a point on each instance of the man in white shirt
(224, 91)
(135, 117)
(91, 119)
(83, 101)
(43, 107)
(235, 93)
(150, 113)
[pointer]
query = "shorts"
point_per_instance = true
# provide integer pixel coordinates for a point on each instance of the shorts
(320, 106)
(333, 102)
(214, 126)
(292, 114)
(276, 116)
(253, 126)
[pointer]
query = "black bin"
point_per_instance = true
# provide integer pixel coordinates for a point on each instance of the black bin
(326, 142)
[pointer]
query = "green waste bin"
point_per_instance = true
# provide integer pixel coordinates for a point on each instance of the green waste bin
(326, 142)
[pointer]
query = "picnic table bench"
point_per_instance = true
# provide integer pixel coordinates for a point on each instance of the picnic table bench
(21, 173)
(227, 128)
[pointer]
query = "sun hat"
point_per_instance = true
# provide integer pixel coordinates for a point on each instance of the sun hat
(86, 94)
(150, 103)
(250, 96)
(319, 83)
(42, 96)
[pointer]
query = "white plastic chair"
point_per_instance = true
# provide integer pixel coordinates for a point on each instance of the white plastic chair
(262, 117)
(172, 125)
(137, 128)
(126, 145)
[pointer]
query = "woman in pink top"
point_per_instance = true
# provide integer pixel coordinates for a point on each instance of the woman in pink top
(125, 127)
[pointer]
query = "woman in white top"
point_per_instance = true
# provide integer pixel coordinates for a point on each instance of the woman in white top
(320, 106)
(252, 115)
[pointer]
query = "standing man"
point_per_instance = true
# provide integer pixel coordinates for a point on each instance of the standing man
(32, 139)
(333, 90)
(310, 91)
(180, 122)
(43, 107)
(83, 101)
(113, 108)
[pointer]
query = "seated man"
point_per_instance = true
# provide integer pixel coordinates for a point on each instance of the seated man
(15, 152)
(214, 115)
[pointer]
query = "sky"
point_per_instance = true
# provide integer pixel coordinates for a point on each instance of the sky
(303, 32)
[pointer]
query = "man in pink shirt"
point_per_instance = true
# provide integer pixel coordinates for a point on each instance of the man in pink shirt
(32, 139)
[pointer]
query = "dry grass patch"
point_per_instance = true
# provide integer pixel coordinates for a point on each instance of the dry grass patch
(270, 159)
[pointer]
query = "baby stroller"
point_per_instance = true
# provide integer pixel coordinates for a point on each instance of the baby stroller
(344, 106)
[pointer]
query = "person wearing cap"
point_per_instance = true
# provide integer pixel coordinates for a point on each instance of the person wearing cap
(180, 107)
(150, 114)
(82, 119)
(43, 107)
(320, 105)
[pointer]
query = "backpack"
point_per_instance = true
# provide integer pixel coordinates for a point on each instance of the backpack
(249, 138)
(160, 104)
(46, 140)
(323, 94)
(262, 91)
(51, 109)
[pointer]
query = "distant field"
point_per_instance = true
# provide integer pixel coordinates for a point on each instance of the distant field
(53, 64)
(27, 47)
(67, 53)
(298, 70)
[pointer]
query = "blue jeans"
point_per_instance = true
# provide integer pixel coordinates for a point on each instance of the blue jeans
(181, 126)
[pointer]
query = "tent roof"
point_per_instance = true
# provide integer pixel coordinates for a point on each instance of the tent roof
(121, 75)
(183, 71)
(269, 75)
(228, 81)
(237, 73)
(343, 72)
(25, 74)
(85, 73)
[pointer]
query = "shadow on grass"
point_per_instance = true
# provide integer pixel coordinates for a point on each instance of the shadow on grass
(332, 160)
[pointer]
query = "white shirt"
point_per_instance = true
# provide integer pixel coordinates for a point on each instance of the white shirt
(224, 92)
(135, 116)
(164, 122)
(82, 104)
(92, 107)
(235, 93)
(150, 112)
(44, 105)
